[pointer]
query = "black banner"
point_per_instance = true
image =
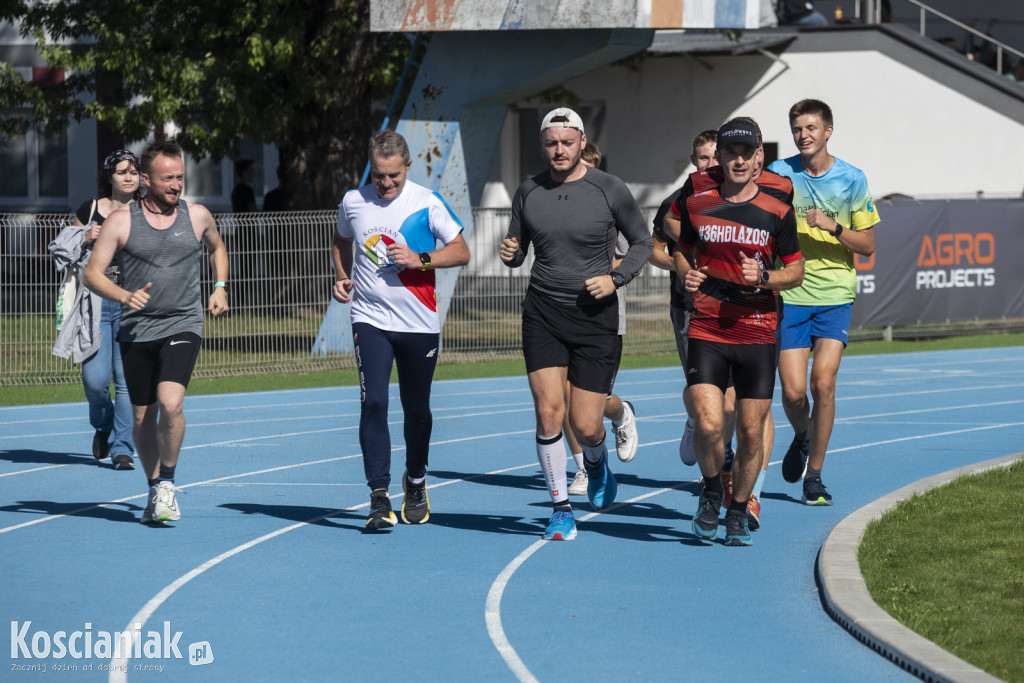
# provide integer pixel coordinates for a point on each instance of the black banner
(943, 261)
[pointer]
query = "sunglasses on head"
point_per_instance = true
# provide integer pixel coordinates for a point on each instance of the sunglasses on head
(111, 162)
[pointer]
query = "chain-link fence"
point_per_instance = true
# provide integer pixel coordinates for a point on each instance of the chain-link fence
(281, 278)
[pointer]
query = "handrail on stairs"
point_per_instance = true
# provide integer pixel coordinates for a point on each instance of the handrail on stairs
(873, 15)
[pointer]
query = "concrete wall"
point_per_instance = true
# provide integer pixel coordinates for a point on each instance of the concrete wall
(511, 15)
(914, 124)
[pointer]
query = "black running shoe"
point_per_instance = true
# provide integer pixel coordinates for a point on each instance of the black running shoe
(381, 515)
(796, 459)
(123, 461)
(415, 506)
(815, 493)
(705, 522)
(100, 445)
(737, 532)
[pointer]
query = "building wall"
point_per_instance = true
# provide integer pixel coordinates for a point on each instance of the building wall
(915, 125)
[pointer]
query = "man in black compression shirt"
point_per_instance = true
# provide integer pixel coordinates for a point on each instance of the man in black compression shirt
(571, 214)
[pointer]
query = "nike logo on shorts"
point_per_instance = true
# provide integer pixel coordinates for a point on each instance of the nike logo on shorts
(180, 341)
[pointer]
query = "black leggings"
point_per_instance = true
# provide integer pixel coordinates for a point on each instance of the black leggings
(415, 355)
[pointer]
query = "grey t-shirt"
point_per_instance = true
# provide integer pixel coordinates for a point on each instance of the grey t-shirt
(573, 228)
(170, 260)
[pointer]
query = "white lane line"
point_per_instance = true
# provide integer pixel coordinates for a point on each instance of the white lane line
(394, 449)
(492, 608)
(119, 669)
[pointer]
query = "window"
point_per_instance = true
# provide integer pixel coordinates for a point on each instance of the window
(34, 166)
(14, 165)
(53, 162)
(210, 181)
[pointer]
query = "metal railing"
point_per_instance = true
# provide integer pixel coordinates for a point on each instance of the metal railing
(281, 278)
(873, 15)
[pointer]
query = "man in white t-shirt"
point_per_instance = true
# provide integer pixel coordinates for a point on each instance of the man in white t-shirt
(389, 280)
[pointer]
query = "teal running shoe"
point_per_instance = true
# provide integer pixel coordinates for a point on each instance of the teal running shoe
(601, 486)
(737, 532)
(561, 526)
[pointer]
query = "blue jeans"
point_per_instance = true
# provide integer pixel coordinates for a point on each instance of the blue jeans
(97, 372)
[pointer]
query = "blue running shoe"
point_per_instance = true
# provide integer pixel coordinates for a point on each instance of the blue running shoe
(705, 521)
(561, 526)
(737, 532)
(601, 486)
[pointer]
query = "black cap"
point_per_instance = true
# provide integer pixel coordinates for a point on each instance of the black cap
(737, 131)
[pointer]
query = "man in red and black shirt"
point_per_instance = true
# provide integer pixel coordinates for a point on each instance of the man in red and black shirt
(734, 232)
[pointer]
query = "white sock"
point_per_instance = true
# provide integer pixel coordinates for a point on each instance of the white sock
(551, 455)
(578, 459)
(594, 454)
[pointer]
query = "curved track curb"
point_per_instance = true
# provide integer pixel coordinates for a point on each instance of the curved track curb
(846, 598)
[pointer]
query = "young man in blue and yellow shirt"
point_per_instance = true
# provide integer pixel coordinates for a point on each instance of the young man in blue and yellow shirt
(835, 219)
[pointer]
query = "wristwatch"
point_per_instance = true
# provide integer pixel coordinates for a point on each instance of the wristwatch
(839, 231)
(223, 285)
(618, 280)
(764, 277)
(425, 258)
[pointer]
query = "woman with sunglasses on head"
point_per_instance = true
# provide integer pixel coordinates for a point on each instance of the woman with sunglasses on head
(118, 186)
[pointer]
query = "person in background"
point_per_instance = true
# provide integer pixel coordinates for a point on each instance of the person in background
(101, 363)
(621, 413)
(702, 156)
(246, 246)
(800, 13)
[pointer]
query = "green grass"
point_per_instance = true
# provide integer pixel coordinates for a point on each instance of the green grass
(949, 565)
(68, 393)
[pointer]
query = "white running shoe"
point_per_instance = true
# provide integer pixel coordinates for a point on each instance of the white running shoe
(162, 506)
(626, 439)
(578, 487)
(687, 450)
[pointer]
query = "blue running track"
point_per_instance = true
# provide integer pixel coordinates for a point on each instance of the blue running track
(271, 568)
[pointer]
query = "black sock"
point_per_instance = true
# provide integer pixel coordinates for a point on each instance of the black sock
(737, 506)
(562, 505)
(714, 484)
(153, 482)
(167, 473)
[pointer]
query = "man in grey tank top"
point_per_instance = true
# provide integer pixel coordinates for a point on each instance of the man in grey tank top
(571, 214)
(158, 243)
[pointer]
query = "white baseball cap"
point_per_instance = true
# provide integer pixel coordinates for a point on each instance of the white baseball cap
(563, 117)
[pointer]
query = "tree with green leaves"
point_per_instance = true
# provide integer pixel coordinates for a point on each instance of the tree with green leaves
(300, 74)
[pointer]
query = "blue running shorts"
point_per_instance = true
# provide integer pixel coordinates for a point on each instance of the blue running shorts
(802, 325)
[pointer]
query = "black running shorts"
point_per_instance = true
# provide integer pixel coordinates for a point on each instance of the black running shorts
(148, 363)
(752, 367)
(584, 339)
